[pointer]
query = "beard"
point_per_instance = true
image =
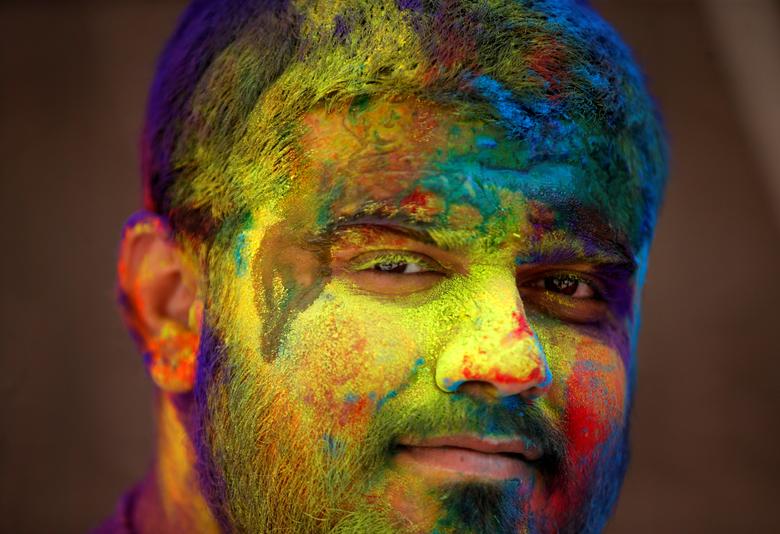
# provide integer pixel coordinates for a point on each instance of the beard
(266, 465)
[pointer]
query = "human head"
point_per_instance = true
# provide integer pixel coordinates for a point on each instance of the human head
(382, 224)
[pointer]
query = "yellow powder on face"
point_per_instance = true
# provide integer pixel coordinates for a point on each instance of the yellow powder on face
(175, 473)
(339, 353)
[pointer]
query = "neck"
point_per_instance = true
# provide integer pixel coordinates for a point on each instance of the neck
(170, 499)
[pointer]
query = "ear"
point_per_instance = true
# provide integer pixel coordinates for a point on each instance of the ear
(159, 291)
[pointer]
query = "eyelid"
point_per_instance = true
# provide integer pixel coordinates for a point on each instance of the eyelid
(352, 240)
(585, 311)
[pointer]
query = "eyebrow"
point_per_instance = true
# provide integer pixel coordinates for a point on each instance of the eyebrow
(600, 252)
(606, 250)
(593, 229)
(400, 223)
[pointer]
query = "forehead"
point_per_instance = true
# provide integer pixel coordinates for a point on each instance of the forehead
(438, 165)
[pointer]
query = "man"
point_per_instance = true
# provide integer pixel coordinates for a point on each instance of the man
(390, 272)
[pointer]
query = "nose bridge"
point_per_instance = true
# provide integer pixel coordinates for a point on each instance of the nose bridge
(494, 344)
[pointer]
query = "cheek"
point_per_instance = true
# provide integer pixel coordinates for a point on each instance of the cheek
(343, 360)
(595, 396)
(588, 395)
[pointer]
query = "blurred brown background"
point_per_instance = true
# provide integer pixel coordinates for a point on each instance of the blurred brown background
(76, 423)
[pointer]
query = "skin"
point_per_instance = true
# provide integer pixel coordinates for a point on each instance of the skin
(416, 285)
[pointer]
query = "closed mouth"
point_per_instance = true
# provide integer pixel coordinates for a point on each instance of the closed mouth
(469, 456)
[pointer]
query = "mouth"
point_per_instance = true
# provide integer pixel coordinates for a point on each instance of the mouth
(469, 457)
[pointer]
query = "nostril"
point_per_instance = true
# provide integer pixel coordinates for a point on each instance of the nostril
(532, 393)
(479, 389)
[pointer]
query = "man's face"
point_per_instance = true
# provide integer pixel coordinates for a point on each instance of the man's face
(428, 331)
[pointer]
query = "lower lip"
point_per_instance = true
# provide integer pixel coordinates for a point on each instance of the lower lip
(456, 461)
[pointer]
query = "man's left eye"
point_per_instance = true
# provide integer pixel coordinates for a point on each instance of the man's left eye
(572, 296)
(566, 284)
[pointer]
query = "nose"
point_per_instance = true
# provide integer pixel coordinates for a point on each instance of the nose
(494, 348)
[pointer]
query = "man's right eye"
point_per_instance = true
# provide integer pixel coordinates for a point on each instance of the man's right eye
(398, 267)
(394, 272)
(396, 263)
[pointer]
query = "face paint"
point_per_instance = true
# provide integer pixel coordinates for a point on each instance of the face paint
(419, 336)
(415, 228)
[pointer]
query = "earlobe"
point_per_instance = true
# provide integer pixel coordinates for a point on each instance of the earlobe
(160, 299)
(170, 358)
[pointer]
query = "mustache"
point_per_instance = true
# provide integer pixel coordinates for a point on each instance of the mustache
(461, 414)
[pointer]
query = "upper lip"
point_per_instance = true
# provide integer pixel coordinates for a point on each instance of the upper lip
(513, 445)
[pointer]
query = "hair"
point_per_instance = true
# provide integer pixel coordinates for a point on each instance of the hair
(541, 68)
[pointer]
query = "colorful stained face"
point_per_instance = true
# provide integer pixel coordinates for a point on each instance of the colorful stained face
(430, 332)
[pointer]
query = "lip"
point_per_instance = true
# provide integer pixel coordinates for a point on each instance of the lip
(470, 456)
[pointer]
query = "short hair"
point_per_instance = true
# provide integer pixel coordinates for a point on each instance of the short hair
(541, 68)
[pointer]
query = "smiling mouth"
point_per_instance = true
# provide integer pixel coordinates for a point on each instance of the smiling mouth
(466, 456)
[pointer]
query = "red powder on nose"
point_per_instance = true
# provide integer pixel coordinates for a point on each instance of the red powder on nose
(503, 378)
(494, 375)
(523, 328)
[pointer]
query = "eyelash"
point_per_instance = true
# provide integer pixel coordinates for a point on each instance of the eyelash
(540, 283)
(378, 258)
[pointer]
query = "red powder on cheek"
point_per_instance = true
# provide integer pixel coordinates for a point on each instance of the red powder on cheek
(592, 412)
(587, 424)
(583, 427)
(353, 412)
(359, 346)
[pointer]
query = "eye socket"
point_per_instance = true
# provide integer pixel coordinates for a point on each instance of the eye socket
(394, 272)
(569, 296)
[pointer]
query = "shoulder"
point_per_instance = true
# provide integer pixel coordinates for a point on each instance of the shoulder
(120, 521)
